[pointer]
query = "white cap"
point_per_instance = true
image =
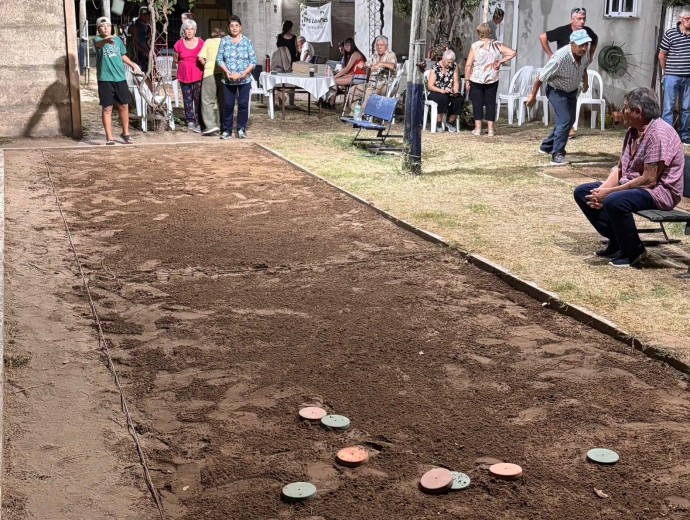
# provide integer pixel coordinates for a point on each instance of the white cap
(103, 20)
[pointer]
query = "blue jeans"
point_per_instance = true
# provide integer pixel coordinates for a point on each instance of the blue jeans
(564, 106)
(615, 219)
(241, 92)
(677, 87)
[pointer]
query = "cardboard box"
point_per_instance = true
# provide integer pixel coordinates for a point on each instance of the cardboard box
(302, 68)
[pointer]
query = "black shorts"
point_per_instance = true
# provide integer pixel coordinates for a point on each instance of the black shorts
(113, 93)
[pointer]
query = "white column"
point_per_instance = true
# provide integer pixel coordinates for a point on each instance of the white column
(362, 37)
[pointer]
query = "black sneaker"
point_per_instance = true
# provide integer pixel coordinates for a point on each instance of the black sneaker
(608, 252)
(686, 141)
(545, 152)
(559, 160)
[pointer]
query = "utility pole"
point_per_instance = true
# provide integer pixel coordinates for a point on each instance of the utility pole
(414, 100)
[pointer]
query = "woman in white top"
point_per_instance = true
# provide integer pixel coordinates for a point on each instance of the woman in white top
(305, 49)
(481, 76)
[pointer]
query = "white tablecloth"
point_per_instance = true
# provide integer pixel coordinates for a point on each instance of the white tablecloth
(317, 86)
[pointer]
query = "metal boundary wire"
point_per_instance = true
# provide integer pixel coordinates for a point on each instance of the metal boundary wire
(106, 351)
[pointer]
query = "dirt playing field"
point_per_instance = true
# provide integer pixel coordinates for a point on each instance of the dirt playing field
(234, 289)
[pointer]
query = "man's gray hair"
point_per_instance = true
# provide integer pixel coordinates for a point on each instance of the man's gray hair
(645, 101)
(684, 12)
(448, 55)
(188, 24)
(382, 38)
(578, 10)
(301, 39)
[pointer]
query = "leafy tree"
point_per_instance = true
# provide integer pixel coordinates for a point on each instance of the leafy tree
(447, 15)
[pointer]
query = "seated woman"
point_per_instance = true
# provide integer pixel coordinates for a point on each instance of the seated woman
(354, 65)
(444, 89)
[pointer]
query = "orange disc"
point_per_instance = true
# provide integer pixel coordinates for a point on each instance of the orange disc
(312, 413)
(352, 456)
(506, 471)
(438, 480)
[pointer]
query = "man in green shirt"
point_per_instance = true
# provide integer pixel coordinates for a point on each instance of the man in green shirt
(111, 55)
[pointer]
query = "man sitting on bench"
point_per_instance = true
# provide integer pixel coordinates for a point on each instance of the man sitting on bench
(649, 175)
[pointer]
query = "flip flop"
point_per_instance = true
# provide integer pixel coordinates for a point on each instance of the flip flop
(127, 139)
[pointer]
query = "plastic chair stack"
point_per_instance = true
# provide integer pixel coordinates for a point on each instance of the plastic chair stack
(593, 96)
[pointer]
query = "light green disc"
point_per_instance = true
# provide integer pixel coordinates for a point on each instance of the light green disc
(299, 491)
(337, 422)
(460, 481)
(602, 456)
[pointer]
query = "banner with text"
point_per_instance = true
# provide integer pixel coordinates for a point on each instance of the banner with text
(315, 24)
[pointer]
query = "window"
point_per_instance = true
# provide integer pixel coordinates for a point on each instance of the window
(621, 8)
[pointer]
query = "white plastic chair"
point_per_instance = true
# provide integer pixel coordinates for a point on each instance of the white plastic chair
(164, 66)
(514, 92)
(258, 90)
(593, 96)
(525, 91)
(432, 106)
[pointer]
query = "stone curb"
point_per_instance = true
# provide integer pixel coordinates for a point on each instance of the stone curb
(546, 298)
(2, 312)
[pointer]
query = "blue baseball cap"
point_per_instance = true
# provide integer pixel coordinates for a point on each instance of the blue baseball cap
(580, 37)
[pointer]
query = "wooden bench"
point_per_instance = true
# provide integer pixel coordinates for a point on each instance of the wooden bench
(379, 113)
(661, 217)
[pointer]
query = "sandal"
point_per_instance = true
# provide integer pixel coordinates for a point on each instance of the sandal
(110, 143)
(127, 139)
(476, 132)
(490, 133)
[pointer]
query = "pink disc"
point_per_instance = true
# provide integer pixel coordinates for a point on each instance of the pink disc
(437, 480)
(312, 413)
(506, 471)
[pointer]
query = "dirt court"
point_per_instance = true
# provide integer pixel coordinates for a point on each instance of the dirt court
(234, 289)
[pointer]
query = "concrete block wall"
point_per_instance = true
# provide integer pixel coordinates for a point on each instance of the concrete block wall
(35, 94)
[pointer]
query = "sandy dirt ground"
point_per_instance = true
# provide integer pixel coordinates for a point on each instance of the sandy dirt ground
(234, 290)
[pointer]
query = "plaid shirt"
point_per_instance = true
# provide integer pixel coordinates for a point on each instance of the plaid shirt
(658, 143)
(562, 71)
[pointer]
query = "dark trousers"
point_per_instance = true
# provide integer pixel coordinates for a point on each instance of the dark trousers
(564, 106)
(615, 219)
(191, 97)
(241, 92)
(484, 95)
(451, 105)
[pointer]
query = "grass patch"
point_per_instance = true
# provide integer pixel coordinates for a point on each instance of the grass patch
(17, 360)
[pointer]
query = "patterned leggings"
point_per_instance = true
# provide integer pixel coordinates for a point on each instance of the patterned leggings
(191, 96)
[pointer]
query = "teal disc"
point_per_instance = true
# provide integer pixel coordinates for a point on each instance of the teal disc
(602, 456)
(337, 422)
(299, 491)
(460, 481)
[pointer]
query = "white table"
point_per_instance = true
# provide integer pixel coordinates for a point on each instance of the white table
(316, 86)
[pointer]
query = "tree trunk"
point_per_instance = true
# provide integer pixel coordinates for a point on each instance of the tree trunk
(414, 99)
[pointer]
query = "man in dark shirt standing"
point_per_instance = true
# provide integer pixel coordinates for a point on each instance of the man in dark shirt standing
(561, 35)
(674, 58)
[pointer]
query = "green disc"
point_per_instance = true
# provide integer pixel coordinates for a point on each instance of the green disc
(460, 481)
(337, 422)
(299, 491)
(602, 456)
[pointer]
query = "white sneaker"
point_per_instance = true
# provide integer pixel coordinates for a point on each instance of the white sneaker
(439, 129)
(452, 128)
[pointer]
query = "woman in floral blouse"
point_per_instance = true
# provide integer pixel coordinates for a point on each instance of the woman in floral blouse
(444, 89)
(236, 58)
(481, 76)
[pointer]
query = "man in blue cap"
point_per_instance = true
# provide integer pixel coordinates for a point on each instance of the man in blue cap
(562, 75)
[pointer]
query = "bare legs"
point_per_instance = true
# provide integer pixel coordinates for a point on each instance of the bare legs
(107, 116)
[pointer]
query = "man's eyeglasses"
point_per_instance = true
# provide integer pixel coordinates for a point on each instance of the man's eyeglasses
(578, 10)
(686, 18)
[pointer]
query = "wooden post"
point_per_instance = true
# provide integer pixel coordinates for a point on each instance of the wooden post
(485, 15)
(414, 100)
(72, 69)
